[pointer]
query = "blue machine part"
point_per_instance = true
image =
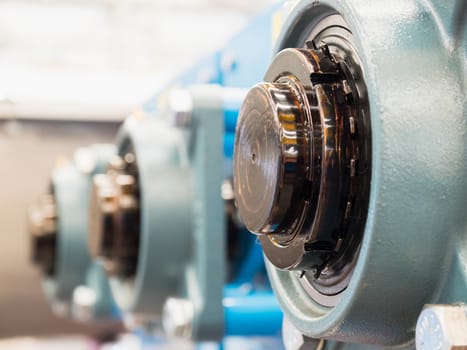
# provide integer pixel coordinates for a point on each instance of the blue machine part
(240, 64)
(75, 285)
(251, 313)
(206, 71)
(250, 343)
(213, 271)
(245, 58)
(192, 133)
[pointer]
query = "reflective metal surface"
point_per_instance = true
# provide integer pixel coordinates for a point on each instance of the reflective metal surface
(43, 231)
(301, 154)
(271, 158)
(115, 216)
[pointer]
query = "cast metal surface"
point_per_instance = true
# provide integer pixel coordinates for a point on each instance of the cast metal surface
(141, 217)
(295, 340)
(412, 249)
(59, 227)
(185, 209)
(177, 319)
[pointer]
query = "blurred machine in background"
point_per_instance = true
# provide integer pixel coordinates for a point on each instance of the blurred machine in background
(74, 284)
(29, 151)
(161, 219)
(71, 71)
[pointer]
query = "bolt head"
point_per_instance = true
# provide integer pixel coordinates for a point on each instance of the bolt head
(295, 340)
(85, 160)
(84, 301)
(180, 108)
(442, 327)
(177, 318)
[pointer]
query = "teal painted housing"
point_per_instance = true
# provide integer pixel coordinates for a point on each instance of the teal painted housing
(414, 245)
(183, 236)
(165, 180)
(71, 185)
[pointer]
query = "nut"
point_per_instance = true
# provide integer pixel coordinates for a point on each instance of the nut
(442, 327)
(295, 340)
(181, 108)
(177, 318)
(84, 301)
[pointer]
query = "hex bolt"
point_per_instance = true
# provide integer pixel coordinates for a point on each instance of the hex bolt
(84, 301)
(442, 327)
(85, 160)
(177, 318)
(295, 340)
(227, 191)
(180, 108)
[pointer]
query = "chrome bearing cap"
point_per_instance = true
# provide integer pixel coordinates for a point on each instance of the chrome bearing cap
(300, 149)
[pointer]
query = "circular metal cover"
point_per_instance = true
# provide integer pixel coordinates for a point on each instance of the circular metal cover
(268, 152)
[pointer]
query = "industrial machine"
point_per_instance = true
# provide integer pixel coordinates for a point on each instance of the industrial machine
(163, 216)
(350, 166)
(75, 285)
(164, 235)
(165, 224)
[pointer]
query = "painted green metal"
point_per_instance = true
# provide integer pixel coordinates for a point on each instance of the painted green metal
(181, 252)
(166, 214)
(414, 249)
(104, 307)
(72, 257)
(205, 276)
(71, 187)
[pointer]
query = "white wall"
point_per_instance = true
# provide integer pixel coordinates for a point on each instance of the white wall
(101, 58)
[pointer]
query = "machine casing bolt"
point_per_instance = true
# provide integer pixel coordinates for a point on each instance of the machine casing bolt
(177, 318)
(295, 340)
(442, 327)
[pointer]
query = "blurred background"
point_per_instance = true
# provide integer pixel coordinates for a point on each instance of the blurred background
(70, 71)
